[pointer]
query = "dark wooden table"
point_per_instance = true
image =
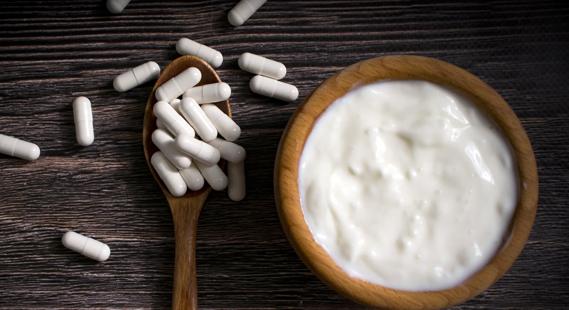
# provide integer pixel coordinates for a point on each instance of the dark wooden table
(52, 51)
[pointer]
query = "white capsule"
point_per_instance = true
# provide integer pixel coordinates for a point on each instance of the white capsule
(83, 117)
(226, 127)
(160, 125)
(185, 46)
(196, 117)
(261, 65)
(168, 174)
(213, 175)
(18, 148)
(198, 150)
(243, 11)
(236, 186)
(175, 123)
(228, 150)
(177, 85)
(176, 104)
(273, 88)
(86, 246)
(117, 6)
(209, 93)
(167, 146)
(194, 179)
(136, 76)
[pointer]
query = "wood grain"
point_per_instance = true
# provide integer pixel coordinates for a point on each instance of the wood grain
(52, 51)
(387, 68)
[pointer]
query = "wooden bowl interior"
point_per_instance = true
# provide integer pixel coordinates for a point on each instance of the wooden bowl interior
(174, 68)
(402, 68)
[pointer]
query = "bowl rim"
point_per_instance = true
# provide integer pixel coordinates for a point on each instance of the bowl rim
(402, 67)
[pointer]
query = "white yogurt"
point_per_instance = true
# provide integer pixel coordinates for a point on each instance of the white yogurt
(406, 184)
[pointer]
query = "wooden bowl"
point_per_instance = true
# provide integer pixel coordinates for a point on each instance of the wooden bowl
(402, 68)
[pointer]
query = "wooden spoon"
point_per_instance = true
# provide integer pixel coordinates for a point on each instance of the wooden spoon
(186, 209)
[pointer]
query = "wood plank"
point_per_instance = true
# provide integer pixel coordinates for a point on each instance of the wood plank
(52, 51)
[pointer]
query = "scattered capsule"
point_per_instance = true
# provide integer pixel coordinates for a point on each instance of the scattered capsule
(83, 117)
(167, 146)
(197, 118)
(261, 65)
(172, 120)
(228, 150)
(177, 85)
(194, 179)
(18, 148)
(168, 174)
(243, 11)
(273, 88)
(185, 46)
(226, 127)
(136, 76)
(86, 246)
(209, 93)
(117, 6)
(236, 186)
(198, 150)
(214, 176)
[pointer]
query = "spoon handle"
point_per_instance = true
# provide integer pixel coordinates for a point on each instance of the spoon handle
(185, 214)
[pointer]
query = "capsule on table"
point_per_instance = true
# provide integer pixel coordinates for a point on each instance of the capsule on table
(228, 150)
(236, 185)
(83, 117)
(168, 174)
(194, 179)
(213, 175)
(226, 127)
(196, 117)
(136, 76)
(175, 123)
(167, 145)
(18, 148)
(209, 93)
(86, 246)
(177, 85)
(261, 65)
(243, 11)
(117, 6)
(273, 88)
(198, 150)
(185, 46)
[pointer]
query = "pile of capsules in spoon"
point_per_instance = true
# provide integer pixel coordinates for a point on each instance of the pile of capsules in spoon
(187, 137)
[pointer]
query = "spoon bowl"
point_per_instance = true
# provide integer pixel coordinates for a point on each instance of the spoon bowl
(186, 209)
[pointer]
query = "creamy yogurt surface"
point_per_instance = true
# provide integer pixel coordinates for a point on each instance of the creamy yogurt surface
(406, 184)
